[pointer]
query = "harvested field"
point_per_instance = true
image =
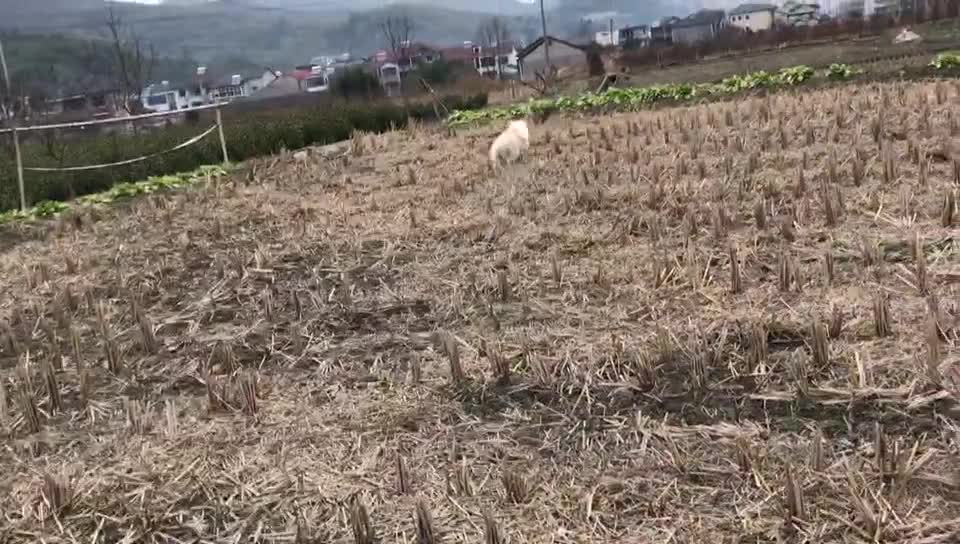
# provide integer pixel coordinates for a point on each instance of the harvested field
(735, 322)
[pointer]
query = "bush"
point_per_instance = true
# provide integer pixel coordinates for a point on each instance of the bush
(356, 83)
(438, 72)
(248, 133)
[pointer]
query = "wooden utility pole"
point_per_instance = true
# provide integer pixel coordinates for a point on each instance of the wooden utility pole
(546, 42)
(223, 140)
(13, 130)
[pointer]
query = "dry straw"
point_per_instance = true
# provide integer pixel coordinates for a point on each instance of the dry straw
(736, 282)
(26, 398)
(881, 315)
(515, 487)
(426, 534)
(451, 348)
(491, 530)
(920, 259)
(403, 476)
(819, 345)
(360, 523)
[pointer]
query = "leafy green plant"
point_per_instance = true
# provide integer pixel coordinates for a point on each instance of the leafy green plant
(945, 61)
(796, 74)
(52, 208)
(840, 72)
(632, 98)
(48, 208)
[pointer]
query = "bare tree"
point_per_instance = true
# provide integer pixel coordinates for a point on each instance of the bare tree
(134, 62)
(493, 33)
(398, 32)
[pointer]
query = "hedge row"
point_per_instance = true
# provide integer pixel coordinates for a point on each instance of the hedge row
(248, 134)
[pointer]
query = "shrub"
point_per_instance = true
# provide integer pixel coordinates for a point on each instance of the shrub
(356, 83)
(438, 72)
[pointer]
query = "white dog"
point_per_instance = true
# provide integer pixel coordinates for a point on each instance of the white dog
(511, 144)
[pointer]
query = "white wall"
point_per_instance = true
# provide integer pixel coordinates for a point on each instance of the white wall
(756, 21)
(606, 38)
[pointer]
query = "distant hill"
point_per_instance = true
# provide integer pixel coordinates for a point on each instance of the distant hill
(501, 7)
(283, 33)
(60, 65)
(264, 35)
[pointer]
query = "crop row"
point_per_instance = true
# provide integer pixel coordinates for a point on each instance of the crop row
(632, 98)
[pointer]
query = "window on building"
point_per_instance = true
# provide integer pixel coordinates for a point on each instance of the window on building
(156, 99)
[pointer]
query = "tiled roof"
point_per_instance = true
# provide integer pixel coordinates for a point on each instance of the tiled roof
(701, 18)
(751, 8)
(539, 41)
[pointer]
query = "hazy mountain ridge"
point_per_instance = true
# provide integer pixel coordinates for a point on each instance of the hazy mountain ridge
(282, 33)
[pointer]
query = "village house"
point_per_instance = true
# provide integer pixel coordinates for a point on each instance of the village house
(390, 66)
(253, 85)
(407, 56)
(752, 17)
(163, 96)
(661, 32)
(798, 13)
(281, 85)
(496, 61)
(313, 78)
(204, 89)
(607, 38)
(391, 78)
(532, 59)
(698, 27)
(635, 36)
(226, 88)
(81, 107)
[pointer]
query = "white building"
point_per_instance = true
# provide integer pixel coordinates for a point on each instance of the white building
(881, 7)
(752, 17)
(607, 38)
(252, 85)
(317, 81)
(635, 35)
(164, 97)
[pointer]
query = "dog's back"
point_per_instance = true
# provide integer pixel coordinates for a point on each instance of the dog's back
(520, 128)
(511, 143)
